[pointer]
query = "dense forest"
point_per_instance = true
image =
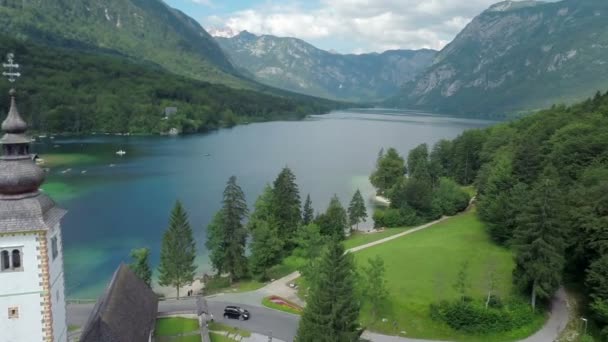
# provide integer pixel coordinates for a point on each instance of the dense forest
(543, 191)
(63, 91)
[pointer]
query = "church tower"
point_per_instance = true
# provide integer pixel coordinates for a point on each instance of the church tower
(32, 298)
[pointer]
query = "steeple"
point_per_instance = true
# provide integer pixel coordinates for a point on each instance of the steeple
(20, 177)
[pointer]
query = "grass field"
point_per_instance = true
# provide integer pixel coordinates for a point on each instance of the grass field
(216, 326)
(216, 337)
(422, 268)
(175, 325)
(358, 239)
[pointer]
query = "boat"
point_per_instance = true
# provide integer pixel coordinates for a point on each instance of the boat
(207, 155)
(121, 152)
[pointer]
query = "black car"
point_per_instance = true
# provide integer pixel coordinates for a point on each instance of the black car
(235, 312)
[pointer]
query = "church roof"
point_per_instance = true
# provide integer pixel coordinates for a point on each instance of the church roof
(126, 312)
(29, 214)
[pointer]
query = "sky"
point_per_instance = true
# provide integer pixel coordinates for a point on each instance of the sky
(345, 26)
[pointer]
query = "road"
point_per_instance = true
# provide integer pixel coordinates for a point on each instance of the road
(263, 321)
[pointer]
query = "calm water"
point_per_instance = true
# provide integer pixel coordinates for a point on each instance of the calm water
(124, 202)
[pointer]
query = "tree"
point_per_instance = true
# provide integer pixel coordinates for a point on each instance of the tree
(310, 245)
(463, 284)
(418, 163)
(308, 213)
(356, 210)
(141, 264)
(539, 240)
(234, 211)
(334, 222)
(266, 248)
(466, 151)
(178, 251)
(375, 283)
(216, 241)
(491, 279)
(390, 169)
(262, 212)
(332, 308)
(286, 205)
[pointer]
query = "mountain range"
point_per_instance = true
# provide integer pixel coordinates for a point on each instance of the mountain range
(517, 56)
(295, 65)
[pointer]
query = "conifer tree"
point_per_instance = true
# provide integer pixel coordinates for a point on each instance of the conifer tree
(356, 210)
(215, 242)
(286, 205)
(308, 213)
(266, 246)
(141, 264)
(375, 283)
(332, 308)
(390, 169)
(178, 251)
(334, 221)
(540, 240)
(234, 211)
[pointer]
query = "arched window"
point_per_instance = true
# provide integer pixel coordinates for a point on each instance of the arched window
(16, 259)
(5, 263)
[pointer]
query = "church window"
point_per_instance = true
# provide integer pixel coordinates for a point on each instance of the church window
(16, 258)
(54, 250)
(5, 262)
(13, 313)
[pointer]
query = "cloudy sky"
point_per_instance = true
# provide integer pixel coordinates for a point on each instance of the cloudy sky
(346, 26)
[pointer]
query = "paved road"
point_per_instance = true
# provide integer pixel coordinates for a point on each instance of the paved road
(263, 321)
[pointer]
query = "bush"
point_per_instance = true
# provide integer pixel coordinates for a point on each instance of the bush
(472, 316)
(392, 218)
(449, 198)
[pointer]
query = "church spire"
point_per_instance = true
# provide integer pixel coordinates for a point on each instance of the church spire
(19, 175)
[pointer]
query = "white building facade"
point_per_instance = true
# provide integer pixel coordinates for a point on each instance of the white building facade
(32, 289)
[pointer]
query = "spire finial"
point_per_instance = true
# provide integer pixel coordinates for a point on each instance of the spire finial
(13, 122)
(11, 66)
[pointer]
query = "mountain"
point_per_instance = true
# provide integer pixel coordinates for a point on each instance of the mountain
(143, 30)
(517, 56)
(68, 91)
(295, 65)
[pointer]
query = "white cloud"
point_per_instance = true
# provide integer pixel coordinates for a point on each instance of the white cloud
(208, 3)
(359, 25)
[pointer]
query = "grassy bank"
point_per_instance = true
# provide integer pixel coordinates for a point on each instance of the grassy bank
(422, 269)
(288, 307)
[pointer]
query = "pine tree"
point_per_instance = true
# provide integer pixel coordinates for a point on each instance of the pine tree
(216, 241)
(375, 283)
(540, 240)
(390, 169)
(286, 205)
(334, 221)
(266, 248)
(308, 213)
(356, 210)
(234, 211)
(141, 264)
(332, 308)
(178, 251)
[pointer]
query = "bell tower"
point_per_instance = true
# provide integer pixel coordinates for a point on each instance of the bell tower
(32, 298)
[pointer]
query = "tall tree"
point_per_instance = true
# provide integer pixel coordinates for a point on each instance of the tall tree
(178, 251)
(332, 308)
(216, 241)
(308, 213)
(234, 212)
(356, 210)
(266, 248)
(418, 163)
(263, 211)
(141, 264)
(286, 205)
(389, 171)
(466, 151)
(539, 240)
(334, 221)
(375, 283)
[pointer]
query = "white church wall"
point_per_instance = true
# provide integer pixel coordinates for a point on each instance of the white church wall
(58, 306)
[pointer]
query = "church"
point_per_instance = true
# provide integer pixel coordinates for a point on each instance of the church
(32, 290)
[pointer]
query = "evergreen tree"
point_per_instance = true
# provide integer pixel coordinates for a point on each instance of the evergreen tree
(540, 241)
(234, 211)
(286, 205)
(216, 241)
(308, 213)
(334, 222)
(266, 248)
(375, 283)
(389, 171)
(262, 213)
(466, 151)
(310, 245)
(332, 308)
(141, 264)
(356, 210)
(178, 251)
(418, 163)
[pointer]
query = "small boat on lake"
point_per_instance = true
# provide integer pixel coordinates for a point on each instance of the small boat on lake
(121, 152)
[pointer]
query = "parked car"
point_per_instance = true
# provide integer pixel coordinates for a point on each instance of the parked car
(236, 312)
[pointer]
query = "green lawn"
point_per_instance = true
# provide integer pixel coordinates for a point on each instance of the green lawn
(190, 338)
(172, 326)
(422, 268)
(215, 337)
(358, 239)
(216, 326)
(269, 304)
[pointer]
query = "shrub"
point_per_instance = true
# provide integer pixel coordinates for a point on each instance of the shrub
(392, 217)
(449, 198)
(473, 317)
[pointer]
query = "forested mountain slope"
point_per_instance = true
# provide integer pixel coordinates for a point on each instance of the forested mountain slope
(517, 56)
(65, 91)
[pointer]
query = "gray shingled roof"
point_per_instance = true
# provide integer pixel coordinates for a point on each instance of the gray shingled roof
(126, 312)
(34, 213)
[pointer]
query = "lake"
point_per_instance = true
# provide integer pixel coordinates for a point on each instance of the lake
(119, 203)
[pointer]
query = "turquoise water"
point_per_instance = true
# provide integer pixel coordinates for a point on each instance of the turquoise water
(124, 202)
